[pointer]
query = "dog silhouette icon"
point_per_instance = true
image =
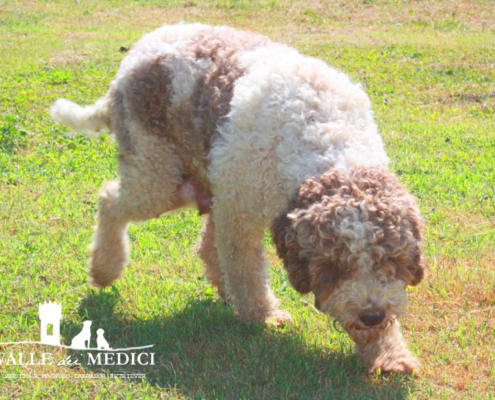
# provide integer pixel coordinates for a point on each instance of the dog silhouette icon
(101, 342)
(82, 340)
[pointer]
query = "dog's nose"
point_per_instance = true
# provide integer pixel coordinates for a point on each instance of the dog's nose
(372, 319)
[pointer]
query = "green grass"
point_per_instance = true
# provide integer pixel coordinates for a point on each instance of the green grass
(429, 70)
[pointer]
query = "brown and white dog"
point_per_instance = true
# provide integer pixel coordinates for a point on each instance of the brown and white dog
(258, 135)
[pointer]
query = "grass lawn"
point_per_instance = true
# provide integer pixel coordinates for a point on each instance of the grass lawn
(429, 68)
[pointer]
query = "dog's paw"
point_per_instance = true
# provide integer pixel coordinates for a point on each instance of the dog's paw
(396, 363)
(99, 282)
(278, 318)
(103, 271)
(109, 256)
(394, 358)
(386, 351)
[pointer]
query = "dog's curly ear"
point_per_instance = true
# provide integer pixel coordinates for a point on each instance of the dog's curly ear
(419, 272)
(412, 266)
(289, 250)
(418, 268)
(407, 255)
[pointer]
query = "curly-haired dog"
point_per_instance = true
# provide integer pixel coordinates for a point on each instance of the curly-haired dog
(258, 135)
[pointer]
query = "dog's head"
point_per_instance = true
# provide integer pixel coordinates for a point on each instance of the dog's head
(353, 238)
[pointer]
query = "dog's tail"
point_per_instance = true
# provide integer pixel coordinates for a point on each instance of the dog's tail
(91, 119)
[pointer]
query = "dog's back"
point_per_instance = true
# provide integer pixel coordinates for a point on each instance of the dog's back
(178, 84)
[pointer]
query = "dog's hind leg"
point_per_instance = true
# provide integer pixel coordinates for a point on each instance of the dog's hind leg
(110, 248)
(208, 253)
(149, 178)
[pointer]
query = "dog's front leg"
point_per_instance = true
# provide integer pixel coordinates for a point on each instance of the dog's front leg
(242, 260)
(387, 352)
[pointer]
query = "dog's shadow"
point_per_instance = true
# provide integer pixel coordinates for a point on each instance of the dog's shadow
(203, 351)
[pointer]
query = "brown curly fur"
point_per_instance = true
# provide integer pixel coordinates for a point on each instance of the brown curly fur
(305, 236)
(346, 225)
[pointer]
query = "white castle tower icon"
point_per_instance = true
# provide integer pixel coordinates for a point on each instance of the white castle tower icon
(50, 314)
